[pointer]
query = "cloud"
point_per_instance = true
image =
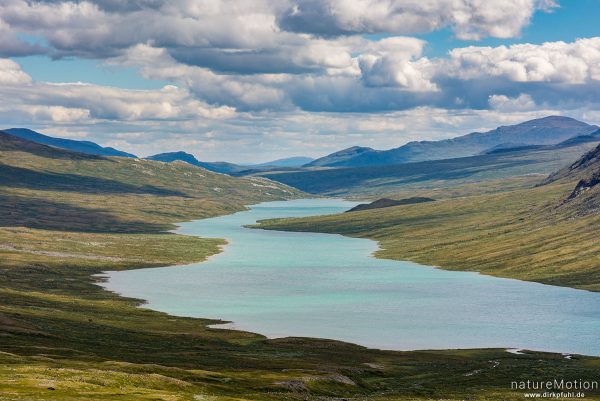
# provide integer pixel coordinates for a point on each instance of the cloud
(282, 76)
(247, 36)
(392, 74)
(397, 62)
(168, 119)
(11, 73)
(470, 19)
(100, 29)
(523, 102)
(573, 63)
(75, 101)
(12, 46)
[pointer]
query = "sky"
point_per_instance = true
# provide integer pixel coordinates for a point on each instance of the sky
(255, 80)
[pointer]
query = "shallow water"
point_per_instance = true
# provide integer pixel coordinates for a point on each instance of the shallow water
(321, 285)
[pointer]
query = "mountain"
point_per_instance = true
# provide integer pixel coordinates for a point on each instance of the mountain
(584, 199)
(218, 167)
(87, 147)
(543, 131)
(12, 143)
(340, 158)
(593, 137)
(585, 166)
(296, 161)
(52, 188)
(371, 180)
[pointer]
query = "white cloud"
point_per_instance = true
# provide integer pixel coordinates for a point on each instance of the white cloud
(288, 76)
(67, 102)
(11, 73)
(397, 62)
(470, 19)
(503, 103)
(575, 63)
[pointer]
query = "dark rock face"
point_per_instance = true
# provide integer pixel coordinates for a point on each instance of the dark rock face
(590, 158)
(585, 185)
(582, 168)
(585, 197)
(385, 202)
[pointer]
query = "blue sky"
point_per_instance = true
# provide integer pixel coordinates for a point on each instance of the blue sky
(254, 80)
(574, 19)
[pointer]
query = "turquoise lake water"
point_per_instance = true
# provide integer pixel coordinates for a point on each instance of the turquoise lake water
(321, 285)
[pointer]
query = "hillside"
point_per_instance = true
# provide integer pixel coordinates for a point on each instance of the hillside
(68, 144)
(544, 131)
(341, 157)
(66, 217)
(587, 165)
(377, 180)
(584, 199)
(91, 190)
(523, 234)
(218, 167)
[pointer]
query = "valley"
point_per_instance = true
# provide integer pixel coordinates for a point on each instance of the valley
(299, 200)
(68, 216)
(544, 230)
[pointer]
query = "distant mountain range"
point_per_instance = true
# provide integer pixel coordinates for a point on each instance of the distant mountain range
(230, 168)
(218, 167)
(341, 157)
(527, 136)
(543, 131)
(92, 148)
(86, 147)
(296, 161)
(497, 164)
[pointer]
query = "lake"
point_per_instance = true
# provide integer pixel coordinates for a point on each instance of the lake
(329, 286)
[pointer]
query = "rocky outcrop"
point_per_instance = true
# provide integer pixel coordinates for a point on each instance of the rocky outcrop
(385, 202)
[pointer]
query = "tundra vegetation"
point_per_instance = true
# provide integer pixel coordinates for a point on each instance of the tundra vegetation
(67, 217)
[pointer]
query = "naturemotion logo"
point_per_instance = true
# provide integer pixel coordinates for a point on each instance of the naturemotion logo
(556, 388)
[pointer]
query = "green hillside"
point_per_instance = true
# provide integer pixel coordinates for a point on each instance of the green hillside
(528, 233)
(45, 187)
(66, 217)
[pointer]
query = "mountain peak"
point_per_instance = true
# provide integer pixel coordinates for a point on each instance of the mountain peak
(552, 121)
(548, 130)
(339, 157)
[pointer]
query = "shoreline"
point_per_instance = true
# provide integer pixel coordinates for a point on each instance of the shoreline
(225, 324)
(138, 352)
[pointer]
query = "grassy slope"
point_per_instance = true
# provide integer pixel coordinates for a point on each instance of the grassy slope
(63, 338)
(520, 234)
(373, 181)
